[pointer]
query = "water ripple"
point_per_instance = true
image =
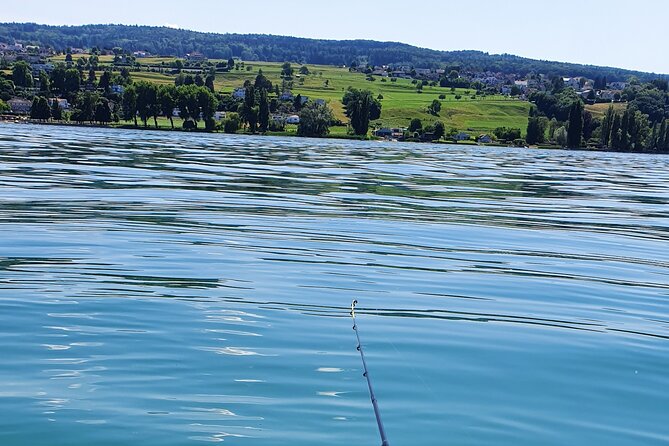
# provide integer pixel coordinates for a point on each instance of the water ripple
(169, 289)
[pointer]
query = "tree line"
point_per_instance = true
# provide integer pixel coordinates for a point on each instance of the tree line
(174, 42)
(192, 98)
(560, 116)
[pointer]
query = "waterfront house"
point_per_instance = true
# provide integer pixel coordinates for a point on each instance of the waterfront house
(19, 106)
(398, 132)
(484, 139)
(384, 133)
(390, 133)
(293, 119)
(63, 104)
(462, 136)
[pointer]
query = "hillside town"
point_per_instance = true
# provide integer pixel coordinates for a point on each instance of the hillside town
(516, 85)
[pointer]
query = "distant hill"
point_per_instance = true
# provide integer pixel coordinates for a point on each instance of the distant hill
(253, 47)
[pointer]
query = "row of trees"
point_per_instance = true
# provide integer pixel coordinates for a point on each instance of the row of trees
(144, 101)
(632, 130)
(86, 107)
(560, 117)
(65, 81)
(150, 101)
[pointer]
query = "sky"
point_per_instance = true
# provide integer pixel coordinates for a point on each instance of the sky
(632, 35)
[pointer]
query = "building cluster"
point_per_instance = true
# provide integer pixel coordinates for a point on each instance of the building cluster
(498, 82)
(30, 53)
(285, 97)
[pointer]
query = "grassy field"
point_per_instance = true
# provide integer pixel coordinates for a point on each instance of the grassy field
(599, 110)
(75, 57)
(401, 102)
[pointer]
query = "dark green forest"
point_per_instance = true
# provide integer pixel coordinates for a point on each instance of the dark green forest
(175, 42)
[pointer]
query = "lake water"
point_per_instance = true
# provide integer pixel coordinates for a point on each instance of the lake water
(171, 289)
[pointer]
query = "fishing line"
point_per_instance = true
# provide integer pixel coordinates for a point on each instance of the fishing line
(377, 414)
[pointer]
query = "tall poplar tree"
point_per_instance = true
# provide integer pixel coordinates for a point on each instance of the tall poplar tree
(575, 130)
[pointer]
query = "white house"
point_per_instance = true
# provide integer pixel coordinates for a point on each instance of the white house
(293, 119)
(63, 104)
(219, 116)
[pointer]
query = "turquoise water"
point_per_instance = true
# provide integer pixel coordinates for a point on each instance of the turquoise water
(171, 289)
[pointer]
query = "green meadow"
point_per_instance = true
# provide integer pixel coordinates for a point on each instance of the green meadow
(401, 101)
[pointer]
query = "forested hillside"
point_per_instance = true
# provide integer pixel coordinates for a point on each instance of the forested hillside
(253, 47)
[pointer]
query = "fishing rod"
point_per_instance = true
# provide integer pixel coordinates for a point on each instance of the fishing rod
(382, 432)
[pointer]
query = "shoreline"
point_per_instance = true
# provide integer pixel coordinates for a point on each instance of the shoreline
(21, 120)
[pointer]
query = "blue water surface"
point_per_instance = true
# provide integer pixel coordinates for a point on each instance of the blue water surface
(171, 289)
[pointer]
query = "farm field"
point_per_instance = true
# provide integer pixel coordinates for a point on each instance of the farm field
(599, 110)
